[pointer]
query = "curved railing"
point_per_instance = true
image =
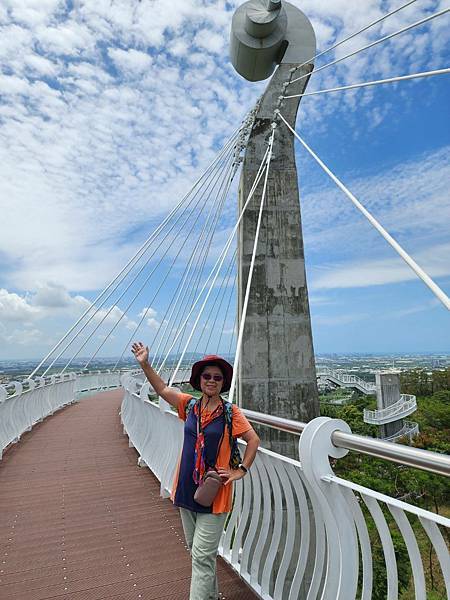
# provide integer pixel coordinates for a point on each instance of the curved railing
(97, 380)
(25, 403)
(297, 530)
(401, 409)
(182, 376)
(346, 380)
(275, 487)
(409, 430)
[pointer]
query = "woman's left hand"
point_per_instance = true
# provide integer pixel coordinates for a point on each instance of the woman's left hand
(229, 475)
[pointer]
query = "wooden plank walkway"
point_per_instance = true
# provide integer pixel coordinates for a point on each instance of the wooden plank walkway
(80, 520)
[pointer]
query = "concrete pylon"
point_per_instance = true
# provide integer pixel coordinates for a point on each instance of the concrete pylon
(388, 393)
(277, 369)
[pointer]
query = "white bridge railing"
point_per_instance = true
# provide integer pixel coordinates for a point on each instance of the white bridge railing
(297, 530)
(25, 403)
(346, 380)
(97, 380)
(401, 409)
(409, 430)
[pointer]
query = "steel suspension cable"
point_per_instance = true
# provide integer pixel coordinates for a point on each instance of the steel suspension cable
(250, 273)
(159, 229)
(180, 291)
(158, 289)
(226, 313)
(220, 293)
(233, 336)
(108, 312)
(140, 289)
(218, 264)
(125, 270)
(371, 83)
(195, 278)
(225, 287)
(372, 44)
(403, 254)
(259, 173)
(145, 312)
(204, 258)
(189, 277)
(111, 308)
(350, 37)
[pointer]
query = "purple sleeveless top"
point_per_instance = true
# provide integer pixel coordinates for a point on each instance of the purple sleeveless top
(186, 488)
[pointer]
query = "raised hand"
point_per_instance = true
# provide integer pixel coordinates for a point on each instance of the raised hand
(140, 352)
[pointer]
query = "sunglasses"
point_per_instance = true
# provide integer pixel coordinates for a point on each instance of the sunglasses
(208, 376)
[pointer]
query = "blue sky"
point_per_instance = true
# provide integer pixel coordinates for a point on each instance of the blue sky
(109, 111)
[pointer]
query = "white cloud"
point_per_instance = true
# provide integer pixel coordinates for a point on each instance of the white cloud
(92, 156)
(40, 65)
(179, 48)
(113, 315)
(32, 12)
(12, 85)
(16, 308)
(24, 338)
(207, 40)
(153, 324)
(50, 300)
(71, 39)
(147, 311)
(150, 320)
(435, 261)
(409, 200)
(53, 295)
(130, 61)
(411, 310)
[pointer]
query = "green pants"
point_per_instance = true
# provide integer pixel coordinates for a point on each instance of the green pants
(203, 532)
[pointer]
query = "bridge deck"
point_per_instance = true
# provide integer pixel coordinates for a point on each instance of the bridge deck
(79, 520)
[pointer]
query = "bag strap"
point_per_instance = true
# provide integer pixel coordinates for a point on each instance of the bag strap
(189, 406)
(235, 457)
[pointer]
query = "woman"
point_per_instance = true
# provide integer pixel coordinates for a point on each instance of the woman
(208, 443)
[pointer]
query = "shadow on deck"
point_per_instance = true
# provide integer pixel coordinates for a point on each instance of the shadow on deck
(79, 520)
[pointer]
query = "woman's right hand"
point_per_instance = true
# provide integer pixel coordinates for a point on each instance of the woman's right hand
(140, 352)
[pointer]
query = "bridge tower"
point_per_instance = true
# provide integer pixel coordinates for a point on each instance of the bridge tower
(392, 408)
(277, 368)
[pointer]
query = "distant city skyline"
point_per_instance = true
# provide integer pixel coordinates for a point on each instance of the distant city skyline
(103, 359)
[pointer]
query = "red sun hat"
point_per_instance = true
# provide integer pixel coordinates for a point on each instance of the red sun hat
(206, 361)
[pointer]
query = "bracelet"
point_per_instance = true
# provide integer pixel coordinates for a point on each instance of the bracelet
(241, 466)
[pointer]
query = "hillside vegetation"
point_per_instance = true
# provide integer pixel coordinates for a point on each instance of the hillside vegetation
(428, 491)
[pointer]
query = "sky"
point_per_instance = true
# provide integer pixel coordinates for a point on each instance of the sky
(111, 110)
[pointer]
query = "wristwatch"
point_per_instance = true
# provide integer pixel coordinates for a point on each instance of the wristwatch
(241, 466)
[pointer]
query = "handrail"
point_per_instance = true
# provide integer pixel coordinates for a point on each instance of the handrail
(432, 462)
(25, 403)
(406, 402)
(29, 384)
(287, 510)
(409, 429)
(346, 378)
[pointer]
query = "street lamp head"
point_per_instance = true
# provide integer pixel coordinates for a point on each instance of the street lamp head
(265, 33)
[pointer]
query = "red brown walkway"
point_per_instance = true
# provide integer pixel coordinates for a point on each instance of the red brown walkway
(80, 520)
